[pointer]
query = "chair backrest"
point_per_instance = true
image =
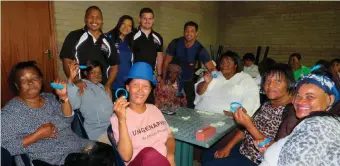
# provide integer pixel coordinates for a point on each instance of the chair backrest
(119, 160)
(77, 125)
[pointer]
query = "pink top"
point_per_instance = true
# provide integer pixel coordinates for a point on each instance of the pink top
(148, 129)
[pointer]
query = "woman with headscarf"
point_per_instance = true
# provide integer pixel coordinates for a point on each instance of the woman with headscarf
(169, 95)
(316, 139)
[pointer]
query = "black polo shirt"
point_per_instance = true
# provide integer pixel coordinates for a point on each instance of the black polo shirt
(145, 48)
(79, 45)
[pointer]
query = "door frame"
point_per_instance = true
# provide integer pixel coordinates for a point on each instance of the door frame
(53, 38)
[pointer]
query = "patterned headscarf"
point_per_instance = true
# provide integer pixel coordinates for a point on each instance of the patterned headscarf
(174, 68)
(321, 81)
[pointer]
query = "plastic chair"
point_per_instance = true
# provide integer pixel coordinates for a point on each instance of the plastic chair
(77, 124)
(119, 160)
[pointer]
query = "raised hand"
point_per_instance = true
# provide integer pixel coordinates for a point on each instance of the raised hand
(62, 93)
(207, 77)
(241, 117)
(222, 153)
(74, 68)
(119, 107)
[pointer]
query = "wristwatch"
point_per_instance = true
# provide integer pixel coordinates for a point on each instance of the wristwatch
(159, 75)
(63, 101)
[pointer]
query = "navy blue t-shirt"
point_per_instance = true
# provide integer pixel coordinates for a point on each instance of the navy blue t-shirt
(187, 57)
(125, 55)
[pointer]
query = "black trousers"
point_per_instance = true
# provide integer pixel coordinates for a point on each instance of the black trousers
(189, 89)
(6, 158)
(101, 155)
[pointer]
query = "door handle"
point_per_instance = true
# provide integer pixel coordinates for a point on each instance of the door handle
(49, 54)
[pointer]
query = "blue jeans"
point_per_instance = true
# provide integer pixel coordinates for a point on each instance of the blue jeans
(235, 158)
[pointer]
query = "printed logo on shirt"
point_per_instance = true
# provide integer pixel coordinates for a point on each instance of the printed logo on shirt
(156, 41)
(148, 127)
(117, 47)
(104, 48)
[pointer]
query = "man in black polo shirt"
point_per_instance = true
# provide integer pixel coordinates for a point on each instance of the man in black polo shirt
(90, 43)
(148, 45)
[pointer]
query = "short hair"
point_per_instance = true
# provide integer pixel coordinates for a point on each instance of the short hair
(145, 10)
(234, 57)
(91, 64)
(265, 64)
(297, 55)
(334, 61)
(91, 8)
(191, 23)
(116, 33)
(324, 63)
(282, 70)
(12, 79)
(249, 56)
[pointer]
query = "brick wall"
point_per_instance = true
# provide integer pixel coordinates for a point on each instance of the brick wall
(169, 18)
(311, 28)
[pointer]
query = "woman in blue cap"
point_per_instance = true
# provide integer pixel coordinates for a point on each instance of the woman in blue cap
(316, 139)
(140, 130)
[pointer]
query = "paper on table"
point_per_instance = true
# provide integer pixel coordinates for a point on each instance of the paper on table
(218, 124)
(207, 113)
(173, 129)
(185, 117)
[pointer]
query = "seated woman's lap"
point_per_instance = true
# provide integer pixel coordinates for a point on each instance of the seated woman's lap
(235, 158)
(149, 157)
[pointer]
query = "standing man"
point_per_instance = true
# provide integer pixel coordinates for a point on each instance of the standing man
(148, 45)
(90, 43)
(186, 51)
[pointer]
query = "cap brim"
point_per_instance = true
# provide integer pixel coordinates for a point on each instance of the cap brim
(154, 82)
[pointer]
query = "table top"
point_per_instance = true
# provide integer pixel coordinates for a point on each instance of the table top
(198, 119)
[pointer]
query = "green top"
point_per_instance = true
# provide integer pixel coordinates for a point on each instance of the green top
(301, 72)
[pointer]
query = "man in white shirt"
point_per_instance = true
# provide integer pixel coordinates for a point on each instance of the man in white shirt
(231, 85)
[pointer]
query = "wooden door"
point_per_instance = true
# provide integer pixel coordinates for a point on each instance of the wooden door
(27, 33)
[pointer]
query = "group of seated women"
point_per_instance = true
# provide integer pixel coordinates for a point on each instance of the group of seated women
(300, 118)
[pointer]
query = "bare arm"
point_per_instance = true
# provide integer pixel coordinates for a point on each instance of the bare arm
(66, 65)
(30, 139)
(254, 132)
(159, 62)
(167, 60)
(124, 144)
(112, 75)
(171, 144)
(236, 139)
(202, 87)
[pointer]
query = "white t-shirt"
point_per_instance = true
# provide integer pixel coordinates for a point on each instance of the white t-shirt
(271, 156)
(252, 70)
(222, 92)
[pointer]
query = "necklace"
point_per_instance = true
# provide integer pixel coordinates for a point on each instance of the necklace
(33, 104)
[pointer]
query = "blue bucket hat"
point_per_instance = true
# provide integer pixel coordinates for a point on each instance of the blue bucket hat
(141, 70)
